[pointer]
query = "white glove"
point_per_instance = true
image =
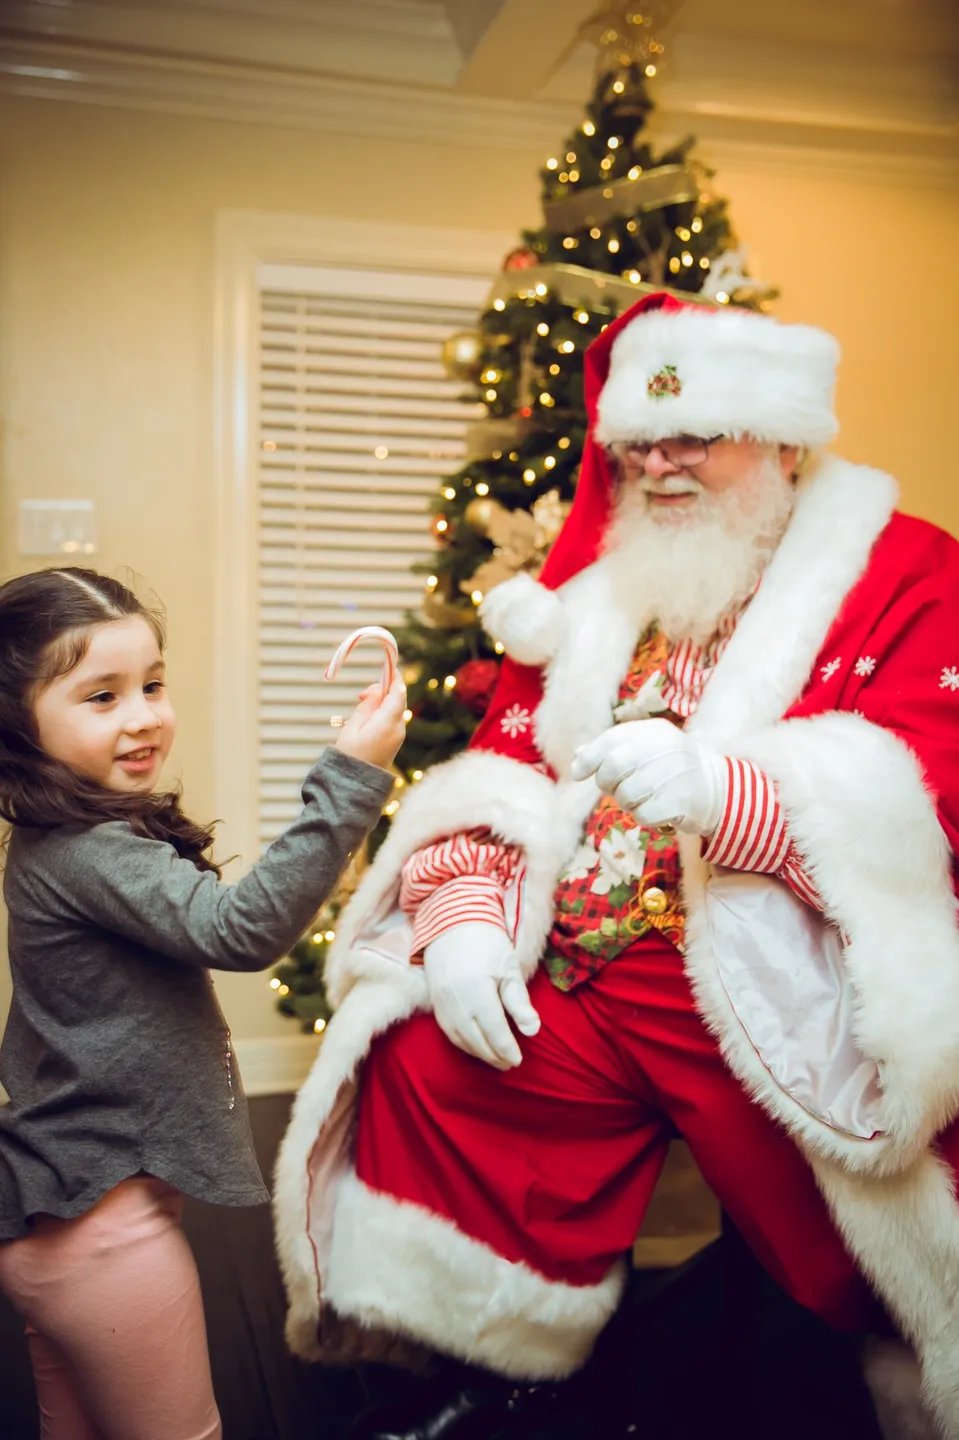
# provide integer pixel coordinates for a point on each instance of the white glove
(658, 774)
(474, 979)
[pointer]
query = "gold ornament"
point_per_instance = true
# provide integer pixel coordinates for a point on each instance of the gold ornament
(478, 515)
(491, 573)
(550, 513)
(461, 354)
(522, 539)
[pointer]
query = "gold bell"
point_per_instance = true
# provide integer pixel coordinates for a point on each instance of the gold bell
(655, 901)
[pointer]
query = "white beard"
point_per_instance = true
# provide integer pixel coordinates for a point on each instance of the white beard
(695, 567)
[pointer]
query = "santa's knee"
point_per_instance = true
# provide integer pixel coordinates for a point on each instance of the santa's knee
(413, 1061)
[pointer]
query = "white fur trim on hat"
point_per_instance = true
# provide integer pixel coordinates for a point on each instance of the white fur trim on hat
(719, 372)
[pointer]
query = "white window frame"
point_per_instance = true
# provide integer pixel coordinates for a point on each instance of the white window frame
(245, 241)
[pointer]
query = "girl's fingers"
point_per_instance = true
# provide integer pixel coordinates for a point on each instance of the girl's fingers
(372, 706)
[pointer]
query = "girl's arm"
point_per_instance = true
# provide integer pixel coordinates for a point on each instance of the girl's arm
(143, 890)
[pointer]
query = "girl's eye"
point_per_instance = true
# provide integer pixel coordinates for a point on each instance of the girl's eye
(155, 687)
(102, 697)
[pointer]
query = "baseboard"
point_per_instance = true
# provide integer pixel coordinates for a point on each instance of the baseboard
(277, 1064)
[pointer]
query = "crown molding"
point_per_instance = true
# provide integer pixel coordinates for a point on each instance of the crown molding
(745, 133)
(216, 90)
(906, 170)
(410, 41)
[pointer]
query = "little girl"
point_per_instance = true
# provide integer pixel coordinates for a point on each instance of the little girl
(123, 1086)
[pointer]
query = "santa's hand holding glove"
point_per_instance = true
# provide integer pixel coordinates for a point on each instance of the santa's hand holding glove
(474, 981)
(658, 774)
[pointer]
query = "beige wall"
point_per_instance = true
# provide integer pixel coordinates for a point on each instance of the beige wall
(106, 284)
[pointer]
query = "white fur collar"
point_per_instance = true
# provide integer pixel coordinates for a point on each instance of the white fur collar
(841, 509)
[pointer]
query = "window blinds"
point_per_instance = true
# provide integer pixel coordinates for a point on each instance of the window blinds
(357, 425)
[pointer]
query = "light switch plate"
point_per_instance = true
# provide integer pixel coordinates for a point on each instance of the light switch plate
(58, 527)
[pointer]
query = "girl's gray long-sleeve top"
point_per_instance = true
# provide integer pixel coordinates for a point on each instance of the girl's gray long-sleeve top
(116, 1056)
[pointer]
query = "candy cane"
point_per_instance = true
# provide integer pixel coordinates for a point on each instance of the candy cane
(368, 632)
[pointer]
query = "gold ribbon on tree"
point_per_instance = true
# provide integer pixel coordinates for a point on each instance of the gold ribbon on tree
(652, 190)
(578, 287)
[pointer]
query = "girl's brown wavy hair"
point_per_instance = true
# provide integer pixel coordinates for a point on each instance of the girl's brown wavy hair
(45, 624)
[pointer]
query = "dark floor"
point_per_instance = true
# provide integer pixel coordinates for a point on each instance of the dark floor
(704, 1349)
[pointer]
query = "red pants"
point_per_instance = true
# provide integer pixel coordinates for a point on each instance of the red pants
(553, 1163)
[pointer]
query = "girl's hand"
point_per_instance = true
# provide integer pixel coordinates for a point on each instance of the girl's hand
(376, 729)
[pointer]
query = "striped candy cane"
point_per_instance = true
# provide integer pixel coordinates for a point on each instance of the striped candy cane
(368, 632)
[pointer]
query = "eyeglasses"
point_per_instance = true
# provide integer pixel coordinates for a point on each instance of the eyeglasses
(680, 450)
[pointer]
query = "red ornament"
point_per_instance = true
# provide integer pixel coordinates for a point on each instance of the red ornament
(522, 258)
(475, 683)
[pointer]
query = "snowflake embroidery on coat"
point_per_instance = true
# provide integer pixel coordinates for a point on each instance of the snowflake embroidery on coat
(865, 665)
(516, 721)
(949, 679)
(828, 671)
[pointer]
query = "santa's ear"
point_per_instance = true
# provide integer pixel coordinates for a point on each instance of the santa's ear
(528, 620)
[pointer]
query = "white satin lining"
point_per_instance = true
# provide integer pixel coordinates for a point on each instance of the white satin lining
(782, 969)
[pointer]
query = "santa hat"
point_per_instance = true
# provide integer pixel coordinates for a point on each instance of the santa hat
(664, 367)
(684, 370)
(669, 367)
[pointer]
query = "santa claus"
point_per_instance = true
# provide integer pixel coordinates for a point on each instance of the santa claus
(695, 874)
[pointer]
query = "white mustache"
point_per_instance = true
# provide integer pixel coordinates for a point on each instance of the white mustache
(671, 485)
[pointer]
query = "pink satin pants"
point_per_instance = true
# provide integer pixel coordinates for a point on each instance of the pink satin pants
(115, 1320)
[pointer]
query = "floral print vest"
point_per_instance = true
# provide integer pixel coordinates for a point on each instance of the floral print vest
(623, 880)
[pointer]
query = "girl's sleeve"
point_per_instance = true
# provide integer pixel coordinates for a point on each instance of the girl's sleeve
(143, 890)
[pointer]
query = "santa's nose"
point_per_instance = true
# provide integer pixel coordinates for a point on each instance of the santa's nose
(657, 464)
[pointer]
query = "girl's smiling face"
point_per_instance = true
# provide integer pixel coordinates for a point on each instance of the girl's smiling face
(109, 718)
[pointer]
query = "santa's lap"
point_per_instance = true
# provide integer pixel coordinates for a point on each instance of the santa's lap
(552, 1164)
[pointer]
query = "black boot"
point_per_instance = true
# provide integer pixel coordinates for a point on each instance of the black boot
(465, 1404)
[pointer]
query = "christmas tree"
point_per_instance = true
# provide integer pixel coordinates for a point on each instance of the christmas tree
(620, 220)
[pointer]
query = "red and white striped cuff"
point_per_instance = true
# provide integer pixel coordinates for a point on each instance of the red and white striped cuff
(467, 898)
(797, 879)
(468, 853)
(752, 834)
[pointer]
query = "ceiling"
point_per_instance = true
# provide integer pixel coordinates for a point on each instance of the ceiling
(863, 75)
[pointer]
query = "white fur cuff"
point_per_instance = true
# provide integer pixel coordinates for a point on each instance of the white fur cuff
(396, 1266)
